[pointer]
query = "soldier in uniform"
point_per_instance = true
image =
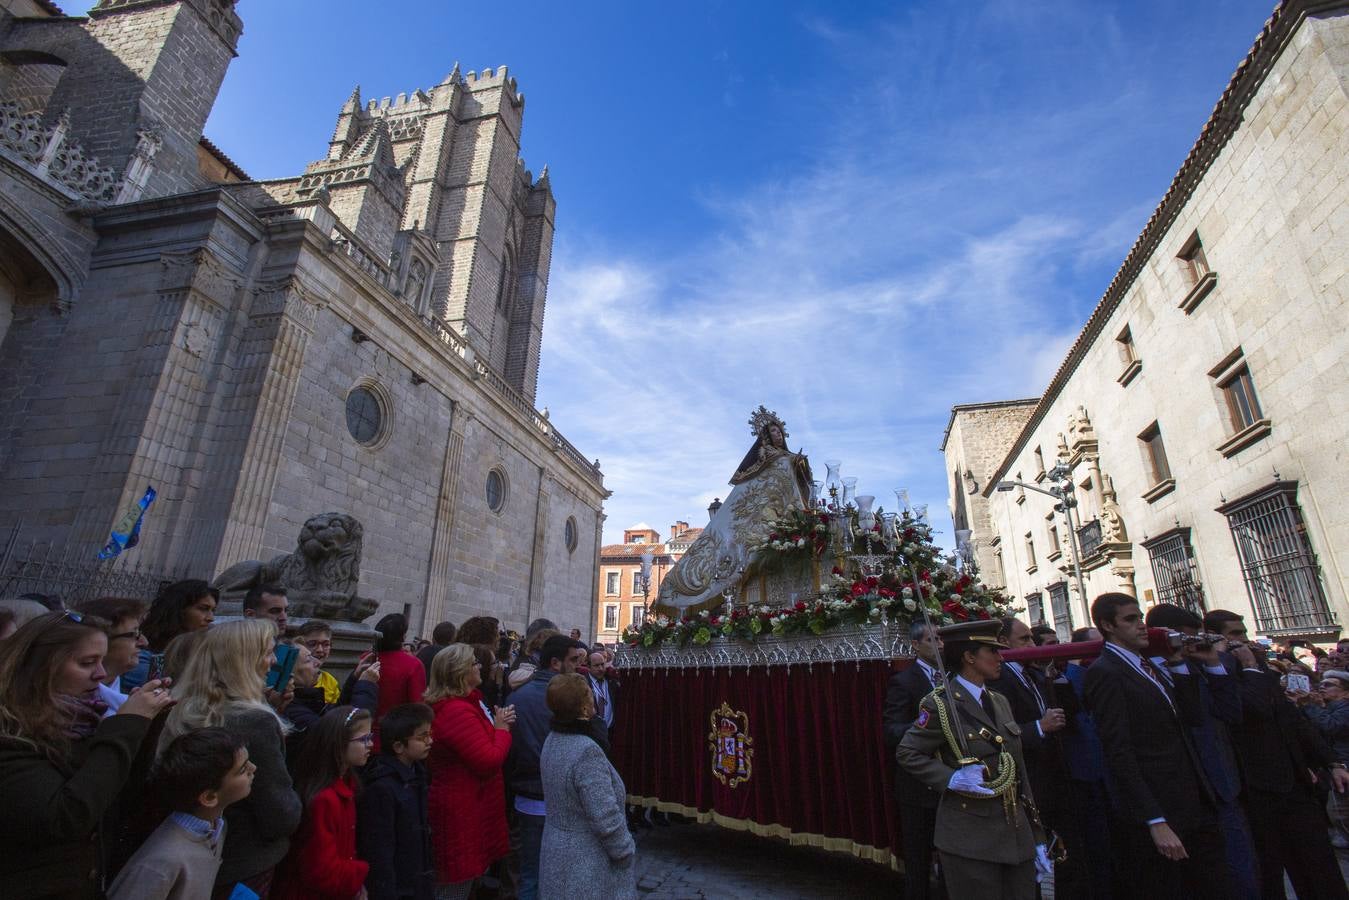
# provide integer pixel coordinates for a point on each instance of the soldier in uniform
(968, 747)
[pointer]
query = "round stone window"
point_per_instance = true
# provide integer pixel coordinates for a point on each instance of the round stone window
(496, 490)
(365, 416)
(569, 534)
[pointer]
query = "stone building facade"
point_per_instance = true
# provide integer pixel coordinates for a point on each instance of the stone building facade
(362, 337)
(1200, 411)
(621, 602)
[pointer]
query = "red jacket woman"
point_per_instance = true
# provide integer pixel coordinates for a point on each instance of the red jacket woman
(468, 793)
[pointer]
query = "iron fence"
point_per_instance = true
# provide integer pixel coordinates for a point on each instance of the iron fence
(75, 575)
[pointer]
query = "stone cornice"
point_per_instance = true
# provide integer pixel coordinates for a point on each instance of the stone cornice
(1222, 124)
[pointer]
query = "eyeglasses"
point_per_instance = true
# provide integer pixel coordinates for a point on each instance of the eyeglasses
(318, 645)
(134, 635)
(368, 738)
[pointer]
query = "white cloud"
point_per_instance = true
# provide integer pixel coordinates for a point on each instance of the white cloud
(860, 298)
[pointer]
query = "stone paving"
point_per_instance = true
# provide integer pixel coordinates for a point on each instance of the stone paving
(684, 862)
(704, 862)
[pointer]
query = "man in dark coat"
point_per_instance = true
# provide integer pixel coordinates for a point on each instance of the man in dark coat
(1277, 749)
(917, 801)
(1167, 834)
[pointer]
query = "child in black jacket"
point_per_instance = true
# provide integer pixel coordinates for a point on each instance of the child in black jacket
(392, 833)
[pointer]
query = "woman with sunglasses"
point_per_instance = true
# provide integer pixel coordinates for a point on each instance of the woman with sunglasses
(62, 764)
(222, 684)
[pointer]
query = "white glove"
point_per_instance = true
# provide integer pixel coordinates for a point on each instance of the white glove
(1044, 866)
(969, 779)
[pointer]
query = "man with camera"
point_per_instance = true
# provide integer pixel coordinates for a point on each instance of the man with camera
(1167, 836)
(1280, 752)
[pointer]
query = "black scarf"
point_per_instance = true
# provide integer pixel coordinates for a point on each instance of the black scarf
(591, 728)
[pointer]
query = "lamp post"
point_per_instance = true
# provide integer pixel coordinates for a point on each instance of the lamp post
(1062, 491)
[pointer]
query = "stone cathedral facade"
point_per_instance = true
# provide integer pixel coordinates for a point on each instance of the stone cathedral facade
(363, 337)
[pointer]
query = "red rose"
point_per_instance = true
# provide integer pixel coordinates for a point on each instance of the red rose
(837, 570)
(983, 614)
(800, 606)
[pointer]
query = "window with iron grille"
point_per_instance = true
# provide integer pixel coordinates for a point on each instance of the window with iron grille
(1174, 571)
(1058, 608)
(1283, 578)
(610, 616)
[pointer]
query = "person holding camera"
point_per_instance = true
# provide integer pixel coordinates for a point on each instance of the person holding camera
(62, 764)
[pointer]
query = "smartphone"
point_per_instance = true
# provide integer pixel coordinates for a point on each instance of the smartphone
(1299, 682)
(278, 676)
(156, 669)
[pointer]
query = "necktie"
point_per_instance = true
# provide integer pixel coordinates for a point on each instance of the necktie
(986, 701)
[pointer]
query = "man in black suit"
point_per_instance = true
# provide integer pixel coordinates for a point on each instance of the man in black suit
(1033, 696)
(1277, 749)
(917, 801)
(1167, 834)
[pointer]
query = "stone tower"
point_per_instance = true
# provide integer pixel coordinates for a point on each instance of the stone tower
(160, 69)
(433, 183)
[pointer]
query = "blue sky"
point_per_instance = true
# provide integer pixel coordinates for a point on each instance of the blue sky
(857, 214)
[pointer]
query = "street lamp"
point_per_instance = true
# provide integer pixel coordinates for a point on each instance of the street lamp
(1062, 491)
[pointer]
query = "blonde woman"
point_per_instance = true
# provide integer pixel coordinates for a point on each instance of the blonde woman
(467, 803)
(222, 684)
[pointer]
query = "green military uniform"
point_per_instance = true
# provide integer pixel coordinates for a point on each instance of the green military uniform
(987, 844)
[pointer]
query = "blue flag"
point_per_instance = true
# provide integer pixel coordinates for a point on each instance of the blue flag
(127, 532)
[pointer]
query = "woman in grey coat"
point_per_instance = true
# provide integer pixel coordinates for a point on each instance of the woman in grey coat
(587, 850)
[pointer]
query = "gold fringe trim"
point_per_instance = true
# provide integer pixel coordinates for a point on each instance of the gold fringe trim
(866, 852)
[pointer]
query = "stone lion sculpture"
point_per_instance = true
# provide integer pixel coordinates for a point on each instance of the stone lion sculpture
(321, 576)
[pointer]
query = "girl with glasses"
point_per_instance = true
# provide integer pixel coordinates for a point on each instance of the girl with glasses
(322, 864)
(62, 764)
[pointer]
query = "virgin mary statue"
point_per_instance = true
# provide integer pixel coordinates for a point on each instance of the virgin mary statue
(769, 481)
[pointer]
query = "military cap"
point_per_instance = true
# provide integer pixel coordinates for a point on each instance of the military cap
(978, 632)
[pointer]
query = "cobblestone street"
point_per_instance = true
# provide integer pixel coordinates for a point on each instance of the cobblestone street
(682, 862)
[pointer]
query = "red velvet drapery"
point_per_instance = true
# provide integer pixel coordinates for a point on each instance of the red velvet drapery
(819, 771)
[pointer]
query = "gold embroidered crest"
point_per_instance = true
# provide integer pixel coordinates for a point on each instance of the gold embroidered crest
(731, 746)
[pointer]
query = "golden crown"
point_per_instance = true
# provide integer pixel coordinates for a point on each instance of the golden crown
(761, 418)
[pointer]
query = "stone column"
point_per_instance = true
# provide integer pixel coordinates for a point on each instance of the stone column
(284, 307)
(438, 572)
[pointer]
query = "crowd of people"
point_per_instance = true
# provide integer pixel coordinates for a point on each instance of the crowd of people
(149, 751)
(1206, 765)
